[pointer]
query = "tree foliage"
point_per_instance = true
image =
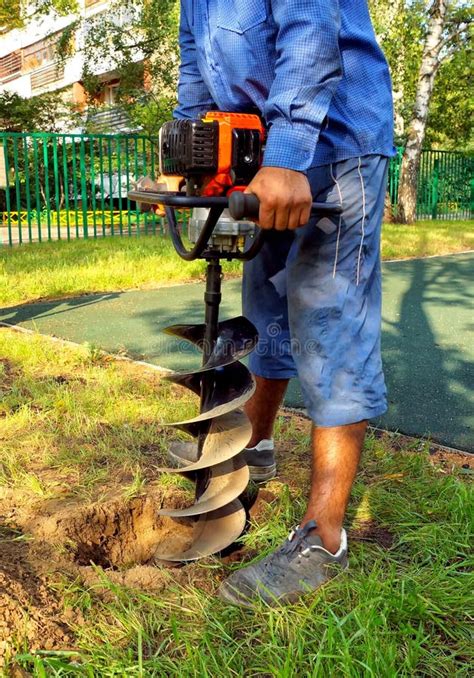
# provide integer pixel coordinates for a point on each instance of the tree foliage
(42, 113)
(401, 27)
(448, 28)
(150, 27)
(451, 114)
(17, 13)
(137, 41)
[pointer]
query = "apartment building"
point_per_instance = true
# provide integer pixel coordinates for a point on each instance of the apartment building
(29, 65)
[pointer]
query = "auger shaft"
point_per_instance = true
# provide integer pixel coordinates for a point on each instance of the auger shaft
(221, 429)
(212, 300)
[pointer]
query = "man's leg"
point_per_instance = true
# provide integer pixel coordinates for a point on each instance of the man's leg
(263, 407)
(335, 457)
(334, 295)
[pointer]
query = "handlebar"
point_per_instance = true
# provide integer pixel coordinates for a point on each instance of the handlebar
(247, 206)
(240, 205)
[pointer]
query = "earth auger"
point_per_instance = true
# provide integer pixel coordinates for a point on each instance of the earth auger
(214, 155)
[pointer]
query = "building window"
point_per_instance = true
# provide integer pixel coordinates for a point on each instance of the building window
(10, 66)
(110, 94)
(40, 53)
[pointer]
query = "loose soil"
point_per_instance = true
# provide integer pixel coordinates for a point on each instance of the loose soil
(64, 539)
(29, 611)
(59, 540)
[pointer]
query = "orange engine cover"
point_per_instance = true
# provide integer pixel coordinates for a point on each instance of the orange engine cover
(219, 152)
(235, 142)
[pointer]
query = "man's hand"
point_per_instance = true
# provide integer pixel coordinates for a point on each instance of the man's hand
(285, 198)
(166, 183)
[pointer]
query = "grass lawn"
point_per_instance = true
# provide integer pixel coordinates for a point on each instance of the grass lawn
(79, 480)
(50, 270)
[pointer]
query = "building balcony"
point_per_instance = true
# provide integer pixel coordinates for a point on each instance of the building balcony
(42, 78)
(10, 66)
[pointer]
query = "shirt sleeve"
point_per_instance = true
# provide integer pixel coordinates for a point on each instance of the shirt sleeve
(193, 95)
(308, 70)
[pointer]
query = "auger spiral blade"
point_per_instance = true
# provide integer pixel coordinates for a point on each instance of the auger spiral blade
(236, 338)
(213, 532)
(229, 388)
(226, 384)
(226, 482)
(226, 438)
(222, 430)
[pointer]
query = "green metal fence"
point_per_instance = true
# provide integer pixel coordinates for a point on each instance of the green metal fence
(64, 186)
(445, 184)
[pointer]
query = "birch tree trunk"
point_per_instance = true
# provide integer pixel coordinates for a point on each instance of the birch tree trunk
(416, 132)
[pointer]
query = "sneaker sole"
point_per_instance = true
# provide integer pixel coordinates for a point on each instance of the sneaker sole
(261, 474)
(226, 595)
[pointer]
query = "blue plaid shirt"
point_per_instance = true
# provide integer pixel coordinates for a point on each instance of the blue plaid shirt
(312, 68)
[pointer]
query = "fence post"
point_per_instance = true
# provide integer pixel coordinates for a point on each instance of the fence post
(7, 191)
(82, 164)
(435, 189)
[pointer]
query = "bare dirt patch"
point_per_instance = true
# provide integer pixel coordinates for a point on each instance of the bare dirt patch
(117, 538)
(448, 459)
(371, 531)
(29, 610)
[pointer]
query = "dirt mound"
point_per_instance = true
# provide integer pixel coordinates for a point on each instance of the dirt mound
(115, 534)
(119, 535)
(29, 611)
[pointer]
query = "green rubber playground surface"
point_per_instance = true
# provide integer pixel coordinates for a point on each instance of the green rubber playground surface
(427, 341)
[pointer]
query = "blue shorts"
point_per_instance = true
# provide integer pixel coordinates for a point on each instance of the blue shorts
(314, 295)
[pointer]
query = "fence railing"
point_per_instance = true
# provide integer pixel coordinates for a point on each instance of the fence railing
(445, 187)
(64, 186)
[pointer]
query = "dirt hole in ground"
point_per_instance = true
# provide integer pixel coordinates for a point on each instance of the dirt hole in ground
(118, 534)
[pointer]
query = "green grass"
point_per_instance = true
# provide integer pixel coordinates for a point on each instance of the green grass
(73, 424)
(52, 270)
(426, 238)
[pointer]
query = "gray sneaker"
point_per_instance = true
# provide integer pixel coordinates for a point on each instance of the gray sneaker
(260, 459)
(299, 566)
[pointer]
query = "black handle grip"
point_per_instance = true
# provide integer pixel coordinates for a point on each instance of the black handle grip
(247, 206)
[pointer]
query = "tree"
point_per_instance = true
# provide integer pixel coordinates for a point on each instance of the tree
(451, 115)
(399, 28)
(16, 13)
(43, 113)
(447, 24)
(139, 43)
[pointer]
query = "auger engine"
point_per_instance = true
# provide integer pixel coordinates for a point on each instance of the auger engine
(213, 160)
(216, 155)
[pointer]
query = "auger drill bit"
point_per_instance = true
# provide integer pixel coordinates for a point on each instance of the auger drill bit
(197, 157)
(221, 429)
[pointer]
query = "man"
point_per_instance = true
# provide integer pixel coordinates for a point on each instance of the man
(316, 74)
